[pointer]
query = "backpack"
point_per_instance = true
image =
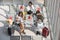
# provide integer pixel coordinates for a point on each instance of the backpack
(45, 32)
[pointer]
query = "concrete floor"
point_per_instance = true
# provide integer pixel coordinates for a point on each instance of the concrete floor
(5, 36)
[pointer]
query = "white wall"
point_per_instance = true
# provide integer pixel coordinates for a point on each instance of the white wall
(53, 16)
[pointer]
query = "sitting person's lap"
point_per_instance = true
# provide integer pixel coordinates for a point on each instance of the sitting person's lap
(16, 27)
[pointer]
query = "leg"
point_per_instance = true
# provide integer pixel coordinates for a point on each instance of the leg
(22, 28)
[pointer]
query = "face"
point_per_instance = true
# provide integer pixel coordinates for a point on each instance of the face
(20, 14)
(39, 20)
(30, 4)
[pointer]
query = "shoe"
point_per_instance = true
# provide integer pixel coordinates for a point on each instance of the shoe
(23, 32)
(37, 33)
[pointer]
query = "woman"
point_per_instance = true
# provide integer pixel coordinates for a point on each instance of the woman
(20, 22)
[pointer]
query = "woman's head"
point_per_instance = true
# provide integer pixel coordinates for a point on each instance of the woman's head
(30, 3)
(20, 14)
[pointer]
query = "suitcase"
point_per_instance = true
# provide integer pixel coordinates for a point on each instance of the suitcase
(9, 31)
(45, 32)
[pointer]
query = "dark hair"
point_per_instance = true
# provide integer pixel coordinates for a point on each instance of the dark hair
(29, 12)
(37, 11)
(30, 2)
(40, 17)
(20, 13)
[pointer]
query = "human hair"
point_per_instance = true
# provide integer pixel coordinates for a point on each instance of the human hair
(30, 2)
(20, 14)
(37, 12)
(29, 12)
(40, 17)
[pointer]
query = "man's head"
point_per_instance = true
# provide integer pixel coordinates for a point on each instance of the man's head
(30, 3)
(38, 13)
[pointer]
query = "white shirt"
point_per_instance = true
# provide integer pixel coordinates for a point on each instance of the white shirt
(20, 19)
(40, 25)
(30, 8)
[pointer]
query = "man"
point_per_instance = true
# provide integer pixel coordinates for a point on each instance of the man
(40, 26)
(30, 7)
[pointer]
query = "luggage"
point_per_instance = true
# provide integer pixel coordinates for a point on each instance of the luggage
(9, 31)
(45, 32)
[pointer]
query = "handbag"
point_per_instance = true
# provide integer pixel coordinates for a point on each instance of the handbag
(45, 32)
